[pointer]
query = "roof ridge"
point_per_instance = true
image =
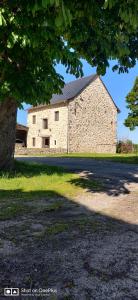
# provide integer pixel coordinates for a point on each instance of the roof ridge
(81, 78)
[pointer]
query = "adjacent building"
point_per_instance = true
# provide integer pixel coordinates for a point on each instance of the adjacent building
(21, 135)
(82, 119)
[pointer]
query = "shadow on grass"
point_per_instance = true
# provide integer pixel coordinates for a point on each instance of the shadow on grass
(88, 183)
(23, 169)
(50, 205)
(113, 185)
(18, 202)
(19, 194)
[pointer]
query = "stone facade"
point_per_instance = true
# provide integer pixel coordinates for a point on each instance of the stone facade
(86, 123)
(93, 121)
(57, 130)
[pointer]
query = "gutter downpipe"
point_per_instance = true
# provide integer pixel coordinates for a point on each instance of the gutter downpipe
(68, 130)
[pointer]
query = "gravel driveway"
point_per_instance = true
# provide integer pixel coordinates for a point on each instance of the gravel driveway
(119, 178)
(92, 253)
(87, 164)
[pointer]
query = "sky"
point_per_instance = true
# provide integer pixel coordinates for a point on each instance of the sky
(118, 86)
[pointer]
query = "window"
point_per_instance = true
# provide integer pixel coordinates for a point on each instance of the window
(34, 119)
(45, 123)
(55, 142)
(56, 115)
(33, 142)
(45, 142)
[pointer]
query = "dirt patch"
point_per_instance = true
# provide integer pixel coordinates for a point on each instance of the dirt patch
(86, 247)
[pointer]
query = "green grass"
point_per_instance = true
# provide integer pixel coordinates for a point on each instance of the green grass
(52, 207)
(30, 181)
(9, 211)
(131, 158)
(81, 223)
(57, 228)
(52, 229)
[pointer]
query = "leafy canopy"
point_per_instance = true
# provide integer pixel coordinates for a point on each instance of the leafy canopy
(132, 100)
(36, 35)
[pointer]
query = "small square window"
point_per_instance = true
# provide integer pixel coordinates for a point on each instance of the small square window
(56, 115)
(45, 123)
(34, 119)
(33, 141)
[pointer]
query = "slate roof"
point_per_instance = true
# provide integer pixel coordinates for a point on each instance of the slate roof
(70, 91)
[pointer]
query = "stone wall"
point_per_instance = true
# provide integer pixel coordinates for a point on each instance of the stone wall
(37, 151)
(57, 130)
(92, 121)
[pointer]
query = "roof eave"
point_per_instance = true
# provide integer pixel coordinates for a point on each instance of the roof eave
(35, 108)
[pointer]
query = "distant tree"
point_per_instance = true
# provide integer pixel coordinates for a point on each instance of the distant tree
(132, 101)
(35, 35)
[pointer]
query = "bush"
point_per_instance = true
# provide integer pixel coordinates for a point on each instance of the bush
(135, 148)
(125, 147)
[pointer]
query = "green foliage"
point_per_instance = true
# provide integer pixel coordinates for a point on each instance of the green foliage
(132, 101)
(136, 148)
(125, 146)
(36, 35)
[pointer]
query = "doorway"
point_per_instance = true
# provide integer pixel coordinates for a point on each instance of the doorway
(46, 142)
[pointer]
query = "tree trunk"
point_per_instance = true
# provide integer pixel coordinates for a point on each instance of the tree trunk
(8, 113)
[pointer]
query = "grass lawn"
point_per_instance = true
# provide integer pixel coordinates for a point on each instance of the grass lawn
(31, 181)
(131, 158)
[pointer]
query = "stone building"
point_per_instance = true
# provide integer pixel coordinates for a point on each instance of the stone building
(21, 135)
(82, 119)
